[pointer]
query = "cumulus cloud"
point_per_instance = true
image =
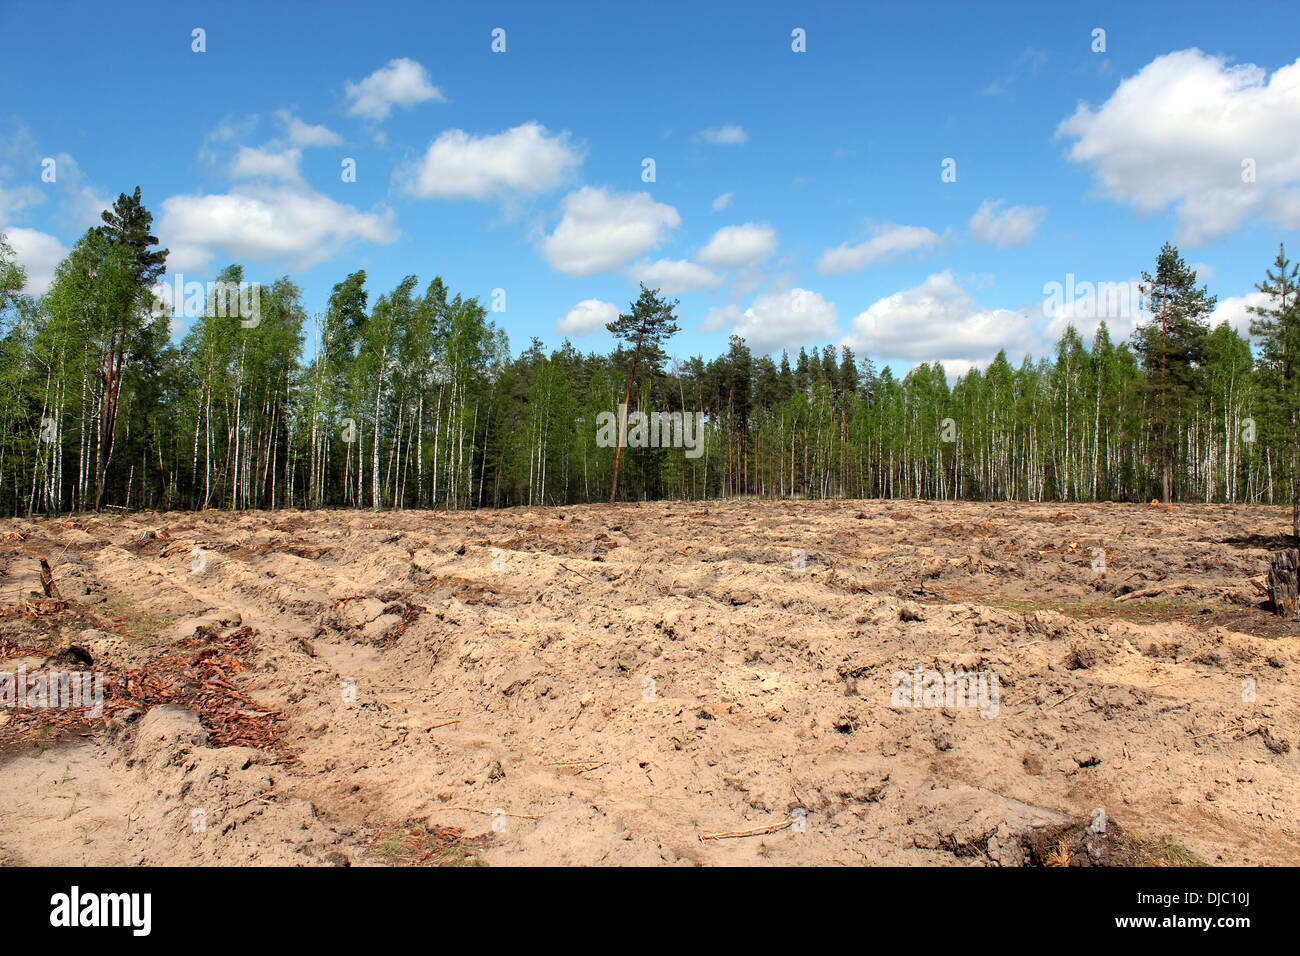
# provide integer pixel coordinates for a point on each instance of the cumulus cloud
(720, 317)
(1286, 208)
(728, 135)
(265, 223)
(1085, 304)
(1002, 227)
(79, 204)
(589, 315)
(1235, 310)
(38, 252)
(956, 368)
(14, 200)
(305, 135)
(255, 163)
(723, 201)
(1178, 132)
(675, 276)
(525, 159)
(277, 160)
(748, 280)
(936, 321)
(76, 202)
(886, 241)
(733, 246)
(229, 132)
(602, 231)
(776, 320)
(403, 82)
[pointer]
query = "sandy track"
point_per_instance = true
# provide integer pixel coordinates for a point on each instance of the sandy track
(607, 684)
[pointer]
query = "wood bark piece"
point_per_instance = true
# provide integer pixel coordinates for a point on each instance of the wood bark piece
(1283, 579)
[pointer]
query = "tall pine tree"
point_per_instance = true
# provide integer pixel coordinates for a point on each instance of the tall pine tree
(646, 327)
(1277, 326)
(1172, 347)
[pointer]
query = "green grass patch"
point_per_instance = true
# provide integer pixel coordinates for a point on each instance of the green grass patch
(128, 621)
(413, 844)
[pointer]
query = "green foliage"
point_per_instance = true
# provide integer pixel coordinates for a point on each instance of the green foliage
(411, 398)
(1277, 325)
(1172, 349)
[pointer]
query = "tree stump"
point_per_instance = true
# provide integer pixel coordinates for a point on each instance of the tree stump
(1284, 581)
(47, 580)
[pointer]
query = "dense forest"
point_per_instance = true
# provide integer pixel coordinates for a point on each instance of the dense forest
(412, 399)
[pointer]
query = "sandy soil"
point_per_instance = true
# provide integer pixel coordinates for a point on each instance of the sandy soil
(621, 685)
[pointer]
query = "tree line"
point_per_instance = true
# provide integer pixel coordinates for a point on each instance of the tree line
(413, 399)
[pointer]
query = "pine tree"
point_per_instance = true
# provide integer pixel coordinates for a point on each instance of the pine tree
(645, 328)
(1277, 325)
(1172, 348)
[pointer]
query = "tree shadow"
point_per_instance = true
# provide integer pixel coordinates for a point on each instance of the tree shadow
(1269, 542)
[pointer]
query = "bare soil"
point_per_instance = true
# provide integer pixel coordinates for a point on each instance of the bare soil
(660, 683)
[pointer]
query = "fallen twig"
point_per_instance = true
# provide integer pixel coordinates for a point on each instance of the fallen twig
(1145, 592)
(1235, 725)
(493, 813)
(1064, 699)
(757, 831)
(578, 573)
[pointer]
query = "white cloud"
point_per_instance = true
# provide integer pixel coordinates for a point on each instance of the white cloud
(720, 317)
(1177, 133)
(728, 135)
(748, 280)
(936, 321)
(264, 223)
(776, 320)
(230, 131)
(306, 135)
(955, 368)
(39, 253)
(589, 315)
(723, 201)
(603, 231)
(403, 82)
(254, 163)
(1029, 62)
(733, 246)
(1085, 304)
(1235, 311)
(78, 203)
(675, 276)
(886, 240)
(1286, 208)
(525, 159)
(1012, 226)
(14, 201)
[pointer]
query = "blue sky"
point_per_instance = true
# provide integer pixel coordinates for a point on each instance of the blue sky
(797, 196)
